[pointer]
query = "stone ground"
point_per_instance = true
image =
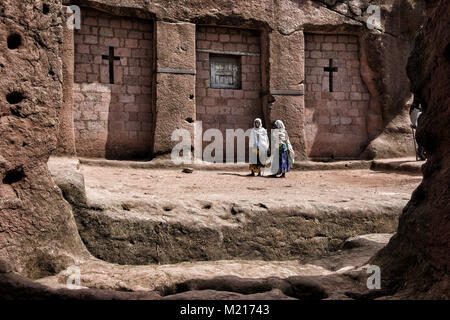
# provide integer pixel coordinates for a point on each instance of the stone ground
(139, 216)
(227, 201)
(334, 276)
(107, 186)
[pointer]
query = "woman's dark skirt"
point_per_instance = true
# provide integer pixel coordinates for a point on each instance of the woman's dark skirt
(285, 165)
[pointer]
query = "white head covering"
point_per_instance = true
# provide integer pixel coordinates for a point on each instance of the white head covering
(260, 124)
(279, 124)
(279, 137)
(258, 136)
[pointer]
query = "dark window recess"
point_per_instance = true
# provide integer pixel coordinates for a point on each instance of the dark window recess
(225, 71)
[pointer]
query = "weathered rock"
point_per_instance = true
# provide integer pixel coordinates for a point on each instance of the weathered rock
(230, 216)
(129, 239)
(176, 92)
(297, 287)
(67, 176)
(415, 263)
(355, 251)
(66, 132)
(395, 141)
(329, 2)
(332, 277)
(4, 267)
(366, 240)
(408, 165)
(38, 235)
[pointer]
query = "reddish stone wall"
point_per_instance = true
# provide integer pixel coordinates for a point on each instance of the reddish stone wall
(113, 120)
(335, 121)
(228, 108)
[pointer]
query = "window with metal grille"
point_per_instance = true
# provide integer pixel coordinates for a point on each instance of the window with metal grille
(225, 71)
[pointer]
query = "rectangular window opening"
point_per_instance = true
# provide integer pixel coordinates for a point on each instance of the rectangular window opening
(225, 71)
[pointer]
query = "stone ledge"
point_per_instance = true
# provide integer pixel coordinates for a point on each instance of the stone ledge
(331, 273)
(159, 163)
(406, 165)
(401, 165)
(254, 233)
(131, 226)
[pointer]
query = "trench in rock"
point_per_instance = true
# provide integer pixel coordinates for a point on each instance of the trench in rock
(222, 234)
(182, 217)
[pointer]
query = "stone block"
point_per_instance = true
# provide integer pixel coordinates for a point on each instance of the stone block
(106, 32)
(339, 47)
(89, 39)
(171, 38)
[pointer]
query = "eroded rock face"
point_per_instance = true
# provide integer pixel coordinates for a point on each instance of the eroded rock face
(38, 235)
(145, 223)
(416, 263)
(277, 234)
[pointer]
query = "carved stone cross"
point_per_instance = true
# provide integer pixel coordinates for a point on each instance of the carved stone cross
(331, 70)
(111, 59)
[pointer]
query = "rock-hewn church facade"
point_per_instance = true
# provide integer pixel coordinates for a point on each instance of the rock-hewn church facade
(133, 74)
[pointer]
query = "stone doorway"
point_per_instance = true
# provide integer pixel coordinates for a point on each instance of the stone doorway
(336, 98)
(113, 99)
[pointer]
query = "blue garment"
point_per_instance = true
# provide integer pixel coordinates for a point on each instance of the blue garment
(285, 164)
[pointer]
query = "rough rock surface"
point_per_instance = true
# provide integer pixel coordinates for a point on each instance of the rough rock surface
(406, 165)
(68, 177)
(416, 261)
(132, 220)
(38, 235)
(338, 276)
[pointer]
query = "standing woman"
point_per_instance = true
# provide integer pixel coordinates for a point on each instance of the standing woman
(283, 157)
(258, 145)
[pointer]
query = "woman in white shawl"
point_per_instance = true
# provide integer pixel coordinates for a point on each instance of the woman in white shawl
(258, 145)
(283, 155)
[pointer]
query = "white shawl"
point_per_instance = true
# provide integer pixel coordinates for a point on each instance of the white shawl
(258, 140)
(279, 137)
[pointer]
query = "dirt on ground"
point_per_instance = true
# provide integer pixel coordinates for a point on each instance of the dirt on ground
(129, 211)
(144, 216)
(354, 187)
